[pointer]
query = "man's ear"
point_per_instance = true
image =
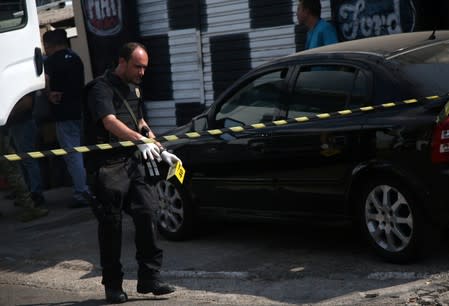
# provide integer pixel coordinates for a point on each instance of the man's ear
(121, 61)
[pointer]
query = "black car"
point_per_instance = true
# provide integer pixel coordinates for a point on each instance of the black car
(352, 130)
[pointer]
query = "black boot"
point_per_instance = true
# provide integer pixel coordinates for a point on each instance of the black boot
(154, 286)
(115, 296)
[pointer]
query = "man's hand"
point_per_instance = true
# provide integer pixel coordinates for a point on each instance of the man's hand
(55, 97)
(170, 158)
(149, 150)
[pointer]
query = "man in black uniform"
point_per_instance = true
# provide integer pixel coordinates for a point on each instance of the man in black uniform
(113, 112)
(64, 72)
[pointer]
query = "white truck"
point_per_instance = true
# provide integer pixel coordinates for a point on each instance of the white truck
(21, 62)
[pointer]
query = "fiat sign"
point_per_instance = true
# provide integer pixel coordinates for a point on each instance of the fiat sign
(103, 17)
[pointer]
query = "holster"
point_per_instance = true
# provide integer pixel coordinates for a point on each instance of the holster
(97, 207)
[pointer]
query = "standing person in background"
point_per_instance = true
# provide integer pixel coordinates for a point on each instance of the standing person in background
(13, 173)
(23, 131)
(65, 83)
(320, 32)
(113, 113)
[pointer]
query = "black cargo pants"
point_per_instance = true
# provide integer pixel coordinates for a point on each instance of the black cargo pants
(123, 187)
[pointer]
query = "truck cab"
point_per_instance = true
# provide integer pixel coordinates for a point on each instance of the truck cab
(21, 61)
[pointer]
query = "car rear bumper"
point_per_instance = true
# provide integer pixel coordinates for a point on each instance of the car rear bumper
(437, 199)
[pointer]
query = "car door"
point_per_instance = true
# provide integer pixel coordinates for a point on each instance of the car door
(21, 69)
(231, 170)
(317, 155)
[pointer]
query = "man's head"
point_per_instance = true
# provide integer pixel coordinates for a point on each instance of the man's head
(132, 62)
(55, 40)
(309, 11)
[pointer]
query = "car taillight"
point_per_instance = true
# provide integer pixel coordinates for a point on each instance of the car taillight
(440, 143)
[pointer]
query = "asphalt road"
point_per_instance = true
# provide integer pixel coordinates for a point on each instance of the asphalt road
(54, 261)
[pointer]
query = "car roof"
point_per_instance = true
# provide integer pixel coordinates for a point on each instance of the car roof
(383, 46)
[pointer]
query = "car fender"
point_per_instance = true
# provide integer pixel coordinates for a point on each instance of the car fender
(375, 168)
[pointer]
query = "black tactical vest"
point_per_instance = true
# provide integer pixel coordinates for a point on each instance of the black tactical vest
(122, 113)
(94, 132)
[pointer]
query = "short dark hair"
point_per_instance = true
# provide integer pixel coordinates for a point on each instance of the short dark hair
(314, 6)
(127, 49)
(57, 37)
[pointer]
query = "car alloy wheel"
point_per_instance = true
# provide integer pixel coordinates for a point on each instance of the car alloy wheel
(173, 217)
(392, 220)
(389, 218)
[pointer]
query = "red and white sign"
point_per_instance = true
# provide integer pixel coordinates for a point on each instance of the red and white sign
(103, 17)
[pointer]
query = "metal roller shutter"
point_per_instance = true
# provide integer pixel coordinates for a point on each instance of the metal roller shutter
(160, 20)
(221, 19)
(153, 17)
(230, 38)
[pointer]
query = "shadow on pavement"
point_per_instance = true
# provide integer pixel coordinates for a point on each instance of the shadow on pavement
(302, 262)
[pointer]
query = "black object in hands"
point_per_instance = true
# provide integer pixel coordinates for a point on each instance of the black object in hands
(151, 166)
(144, 131)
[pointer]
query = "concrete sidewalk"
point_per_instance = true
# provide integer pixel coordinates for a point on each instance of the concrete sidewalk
(54, 260)
(33, 252)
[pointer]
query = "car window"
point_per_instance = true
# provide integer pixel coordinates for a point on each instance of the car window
(258, 101)
(12, 15)
(360, 90)
(323, 89)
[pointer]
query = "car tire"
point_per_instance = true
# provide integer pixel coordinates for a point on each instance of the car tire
(391, 220)
(174, 211)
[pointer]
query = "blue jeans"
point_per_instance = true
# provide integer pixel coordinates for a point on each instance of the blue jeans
(23, 136)
(68, 133)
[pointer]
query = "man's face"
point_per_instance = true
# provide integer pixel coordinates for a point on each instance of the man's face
(135, 67)
(301, 14)
(49, 49)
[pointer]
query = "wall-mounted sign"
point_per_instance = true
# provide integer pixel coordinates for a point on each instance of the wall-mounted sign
(365, 18)
(103, 17)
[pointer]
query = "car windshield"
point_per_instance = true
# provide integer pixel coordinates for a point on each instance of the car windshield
(427, 68)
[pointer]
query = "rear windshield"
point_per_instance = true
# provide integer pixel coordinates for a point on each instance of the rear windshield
(433, 54)
(427, 68)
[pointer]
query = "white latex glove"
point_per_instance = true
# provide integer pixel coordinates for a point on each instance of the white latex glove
(170, 158)
(149, 150)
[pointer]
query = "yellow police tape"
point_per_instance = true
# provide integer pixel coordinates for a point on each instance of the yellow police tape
(215, 132)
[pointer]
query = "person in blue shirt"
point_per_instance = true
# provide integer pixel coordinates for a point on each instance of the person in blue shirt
(320, 32)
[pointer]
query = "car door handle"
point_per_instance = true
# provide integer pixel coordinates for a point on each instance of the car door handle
(38, 61)
(265, 134)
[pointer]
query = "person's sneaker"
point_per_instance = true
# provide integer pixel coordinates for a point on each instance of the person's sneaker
(82, 201)
(115, 296)
(24, 201)
(32, 213)
(154, 286)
